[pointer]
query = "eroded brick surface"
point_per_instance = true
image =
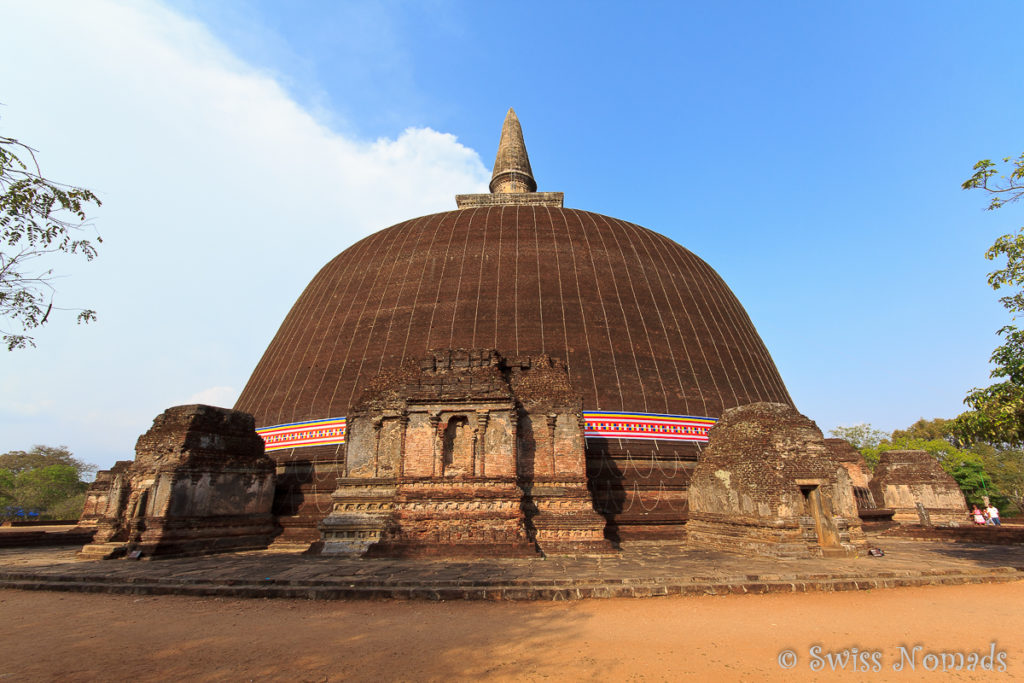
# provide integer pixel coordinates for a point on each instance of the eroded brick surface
(768, 485)
(464, 452)
(200, 483)
(918, 489)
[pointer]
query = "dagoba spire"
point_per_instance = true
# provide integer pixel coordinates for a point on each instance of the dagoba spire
(512, 183)
(512, 172)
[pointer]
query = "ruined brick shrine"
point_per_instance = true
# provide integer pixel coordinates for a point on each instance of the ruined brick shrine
(914, 484)
(648, 336)
(767, 485)
(200, 483)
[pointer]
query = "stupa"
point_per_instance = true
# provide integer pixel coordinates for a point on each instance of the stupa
(648, 334)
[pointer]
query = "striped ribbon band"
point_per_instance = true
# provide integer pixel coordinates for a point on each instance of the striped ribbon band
(598, 425)
(299, 434)
(607, 425)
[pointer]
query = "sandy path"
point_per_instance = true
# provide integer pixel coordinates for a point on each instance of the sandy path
(46, 636)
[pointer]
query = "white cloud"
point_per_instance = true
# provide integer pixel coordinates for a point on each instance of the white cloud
(222, 197)
(214, 396)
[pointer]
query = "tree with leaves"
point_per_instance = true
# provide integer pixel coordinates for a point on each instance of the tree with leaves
(996, 412)
(929, 430)
(862, 436)
(39, 219)
(971, 468)
(43, 456)
(45, 480)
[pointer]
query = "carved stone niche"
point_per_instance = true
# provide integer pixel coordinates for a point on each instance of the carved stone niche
(766, 485)
(918, 489)
(200, 483)
(442, 460)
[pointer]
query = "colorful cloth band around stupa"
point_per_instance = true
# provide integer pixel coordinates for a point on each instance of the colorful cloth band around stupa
(299, 434)
(598, 425)
(607, 425)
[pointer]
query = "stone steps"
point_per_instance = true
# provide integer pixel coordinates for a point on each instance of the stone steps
(521, 589)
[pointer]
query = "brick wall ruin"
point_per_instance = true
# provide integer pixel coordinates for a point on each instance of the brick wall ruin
(200, 483)
(918, 489)
(767, 485)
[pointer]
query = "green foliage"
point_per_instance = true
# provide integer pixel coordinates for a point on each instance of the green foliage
(862, 436)
(6, 488)
(966, 467)
(996, 413)
(929, 430)
(1005, 189)
(69, 508)
(981, 470)
(45, 480)
(43, 456)
(44, 487)
(1007, 470)
(38, 220)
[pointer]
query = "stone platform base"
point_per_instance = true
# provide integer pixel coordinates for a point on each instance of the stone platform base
(561, 518)
(170, 537)
(470, 518)
(641, 570)
(791, 540)
(989, 535)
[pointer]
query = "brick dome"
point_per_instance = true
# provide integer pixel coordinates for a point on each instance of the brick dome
(644, 325)
(654, 341)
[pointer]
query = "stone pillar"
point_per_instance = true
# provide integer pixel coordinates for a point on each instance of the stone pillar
(480, 443)
(436, 436)
(552, 420)
(377, 424)
(403, 420)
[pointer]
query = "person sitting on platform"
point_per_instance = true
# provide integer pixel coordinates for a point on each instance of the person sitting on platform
(978, 517)
(993, 514)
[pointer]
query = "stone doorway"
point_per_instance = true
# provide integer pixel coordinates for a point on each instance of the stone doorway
(824, 529)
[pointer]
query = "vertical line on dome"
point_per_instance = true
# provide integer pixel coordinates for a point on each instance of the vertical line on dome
(561, 295)
(406, 256)
(604, 311)
(364, 298)
(287, 356)
(293, 400)
(614, 227)
(728, 340)
(462, 267)
(738, 348)
(480, 277)
(540, 293)
(497, 277)
(419, 285)
(583, 312)
(639, 235)
(440, 277)
(770, 379)
(515, 282)
(278, 355)
(376, 315)
(622, 311)
(700, 308)
(673, 272)
(745, 332)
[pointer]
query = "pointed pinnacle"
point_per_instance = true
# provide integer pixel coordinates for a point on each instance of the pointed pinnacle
(512, 172)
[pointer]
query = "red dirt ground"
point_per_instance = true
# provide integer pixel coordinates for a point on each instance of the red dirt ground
(83, 637)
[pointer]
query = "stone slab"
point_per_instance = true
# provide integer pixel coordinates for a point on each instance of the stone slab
(641, 570)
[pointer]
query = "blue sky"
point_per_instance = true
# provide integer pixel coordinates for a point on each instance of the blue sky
(811, 152)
